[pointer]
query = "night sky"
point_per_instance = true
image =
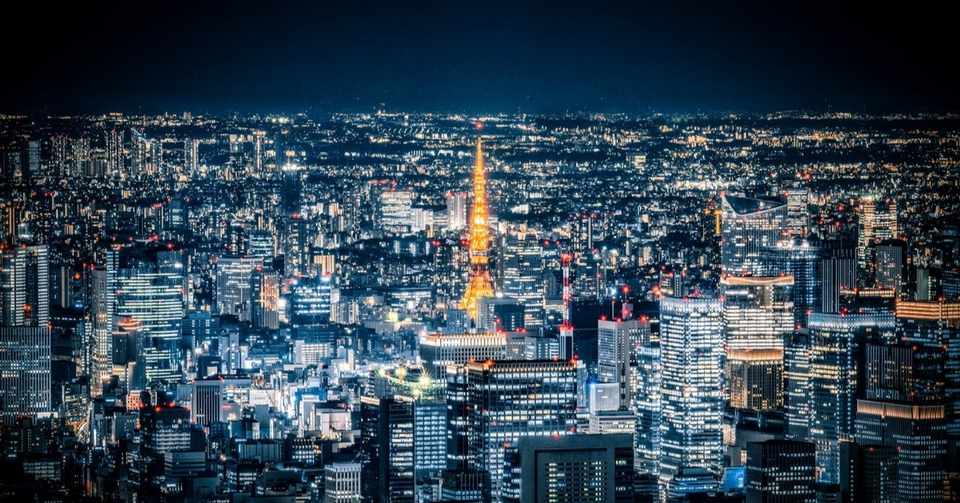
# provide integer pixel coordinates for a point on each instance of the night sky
(477, 57)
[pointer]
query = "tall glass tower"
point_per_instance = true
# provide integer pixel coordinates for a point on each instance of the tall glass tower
(749, 226)
(691, 350)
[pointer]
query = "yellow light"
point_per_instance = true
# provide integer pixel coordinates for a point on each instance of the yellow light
(480, 285)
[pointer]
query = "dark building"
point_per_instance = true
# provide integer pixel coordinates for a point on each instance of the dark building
(782, 471)
(387, 433)
(570, 469)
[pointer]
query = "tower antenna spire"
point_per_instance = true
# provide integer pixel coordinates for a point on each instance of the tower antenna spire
(480, 285)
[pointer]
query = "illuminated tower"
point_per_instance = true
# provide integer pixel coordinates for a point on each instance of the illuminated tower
(480, 285)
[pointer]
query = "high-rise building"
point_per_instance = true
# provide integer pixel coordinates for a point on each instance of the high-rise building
(758, 315)
(797, 215)
(691, 352)
(396, 208)
(104, 313)
(151, 295)
(500, 313)
(60, 156)
(24, 372)
(522, 270)
(311, 300)
(570, 469)
(341, 483)
(836, 340)
(25, 343)
(646, 373)
(429, 414)
(888, 263)
(932, 331)
(24, 286)
(438, 351)
(876, 223)
(233, 285)
(838, 272)
(616, 340)
(493, 404)
(265, 299)
(456, 210)
(207, 401)
(388, 448)
(781, 471)
(749, 226)
(802, 260)
(796, 374)
(114, 144)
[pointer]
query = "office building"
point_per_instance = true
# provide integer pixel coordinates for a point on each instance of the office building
(758, 316)
(570, 469)
(835, 343)
(234, 285)
(437, 351)
(24, 286)
(341, 483)
(456, 210)
(493, 404)
(104, 311)
(396, 211)
(311, 301)
(616, 340)
(207, 401)
(387, 444)
(522, 275)
(151, 296)
(24, 372)
(749, 226)
(782, 471)
(691, 352)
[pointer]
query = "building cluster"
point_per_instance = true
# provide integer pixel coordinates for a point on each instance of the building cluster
(420, 308)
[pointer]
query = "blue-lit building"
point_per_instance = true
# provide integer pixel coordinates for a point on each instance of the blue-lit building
(310, 301)
(836, 341)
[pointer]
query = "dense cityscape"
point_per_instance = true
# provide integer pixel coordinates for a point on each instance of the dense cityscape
(412, 307)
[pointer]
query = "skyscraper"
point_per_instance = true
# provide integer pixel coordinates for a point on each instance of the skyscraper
(104, 318)
(802, 260)
(522, 266)
(494, 404)
(151, 295)
(456, 210)
(749, 226)
(838, 271)
(438, 351)
(25, 345)
(570, 469)
(207, 401)
(782, 471)
(616, 340)
(396, 211)
(388, 448)
(233, 285)
(24, 286)
(797, 217)
(24, 372)
(758, 315)
(479, 285)
(835, 342)
(646, 373)
(691, 351)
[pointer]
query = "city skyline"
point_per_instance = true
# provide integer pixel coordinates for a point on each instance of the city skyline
(492, 253)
